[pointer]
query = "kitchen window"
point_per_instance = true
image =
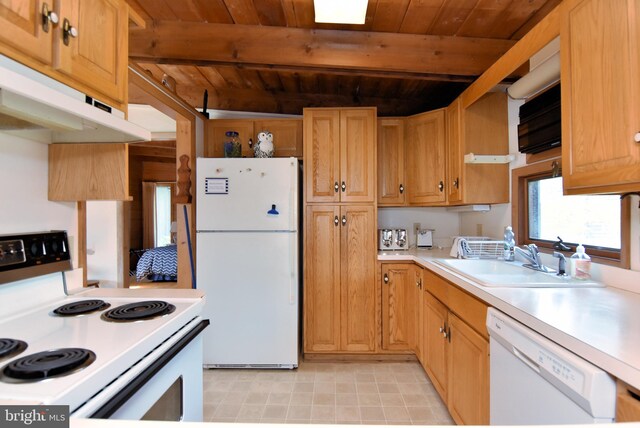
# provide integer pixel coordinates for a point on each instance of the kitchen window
(542, 213)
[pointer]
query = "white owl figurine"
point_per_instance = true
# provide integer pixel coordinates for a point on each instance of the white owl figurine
(264, 147)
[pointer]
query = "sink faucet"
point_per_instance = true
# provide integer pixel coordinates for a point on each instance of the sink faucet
(531, 254)
(562, 263)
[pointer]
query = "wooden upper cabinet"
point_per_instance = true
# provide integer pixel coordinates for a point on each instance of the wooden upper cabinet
(600, 96)
(454, 154)
(484, 131)
(339, 152)
(425, 158)
(321, 279)
(322, 155)
(468, 388)
(358, 261)
(97, 56)
(357, 155)
(84, 172)
(287, 135)
(216, 136)
(22, 32)
(391, 170)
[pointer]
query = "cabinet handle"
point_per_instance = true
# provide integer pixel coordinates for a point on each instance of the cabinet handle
(344, 186)
(336, 221)
(344, 220)
(386, 278)
(48, 16)
(441, 186)
(336, 187)
(441, 329)
(420, 282)
(401, 189)
(636, 138)
(68, 30)
(448, 336)
(417, 284)
(456, 182)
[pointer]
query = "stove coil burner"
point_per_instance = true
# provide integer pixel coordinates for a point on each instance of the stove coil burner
(139, 311)
(10, 347)
(81, 307)
(47, 364)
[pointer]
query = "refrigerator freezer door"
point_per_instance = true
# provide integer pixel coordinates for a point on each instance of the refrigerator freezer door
(247, 194)
(251, 285)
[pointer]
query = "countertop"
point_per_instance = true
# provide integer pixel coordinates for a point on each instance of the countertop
(602, 325)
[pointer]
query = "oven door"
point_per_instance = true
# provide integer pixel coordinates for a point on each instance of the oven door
(166, 385)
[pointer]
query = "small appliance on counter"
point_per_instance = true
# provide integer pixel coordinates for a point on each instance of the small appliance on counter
(424, 238)
(393, 239)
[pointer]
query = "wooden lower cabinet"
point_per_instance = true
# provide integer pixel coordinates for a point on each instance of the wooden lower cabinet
(434, 360)
(455, 356)
(468, 355)
(627, 403)
(398, 307)
(339, 286)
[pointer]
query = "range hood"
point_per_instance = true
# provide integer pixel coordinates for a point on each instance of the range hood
(38, 108)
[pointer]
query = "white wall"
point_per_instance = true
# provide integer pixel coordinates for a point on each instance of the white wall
(102, 242)
(24, 205)
(445, 223)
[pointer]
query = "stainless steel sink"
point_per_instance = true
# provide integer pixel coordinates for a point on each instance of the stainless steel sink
(498, 273)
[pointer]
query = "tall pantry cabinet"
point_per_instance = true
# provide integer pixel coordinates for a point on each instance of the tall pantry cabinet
(339, 230)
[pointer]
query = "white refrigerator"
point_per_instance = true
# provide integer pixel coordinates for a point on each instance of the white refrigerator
(247, 260)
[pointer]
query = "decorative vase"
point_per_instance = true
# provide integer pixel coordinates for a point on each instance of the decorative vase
(232, 147)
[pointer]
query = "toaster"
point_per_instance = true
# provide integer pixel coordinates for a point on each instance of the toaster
(393, 239)
(424, 238)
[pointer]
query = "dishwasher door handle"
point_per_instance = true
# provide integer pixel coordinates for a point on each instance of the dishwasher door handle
(525, 359)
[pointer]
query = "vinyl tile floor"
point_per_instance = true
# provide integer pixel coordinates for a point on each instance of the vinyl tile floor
(385, 393)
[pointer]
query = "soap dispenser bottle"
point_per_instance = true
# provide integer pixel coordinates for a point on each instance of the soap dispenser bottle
(580, 264)
(509, 244)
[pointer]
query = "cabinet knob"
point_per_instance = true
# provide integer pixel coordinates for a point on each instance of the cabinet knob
(441, 329)
(441, 186)
(68, 31)
(386, 278)
(456, 182)
(48, 16)
(336, 187)
(336, 221)
(344, 186)
(401, 189)
(344, 220)
(636, 138)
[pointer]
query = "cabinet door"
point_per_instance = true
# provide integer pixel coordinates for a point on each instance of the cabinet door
(21, 30)
(434, 343)
(454, 154)
(287, 135)
(468, 399)
(358, 260)
(600, 96)
(214, 147)
(391, 162)
(322, 279)
(426, 159)
(97, 56)
(398, 298)
(418, 316)
(322, 155)
(358, 155)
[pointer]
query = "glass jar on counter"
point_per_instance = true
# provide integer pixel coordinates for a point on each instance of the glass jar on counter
(232, 146)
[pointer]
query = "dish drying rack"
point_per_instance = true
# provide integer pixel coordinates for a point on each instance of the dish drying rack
(479, 247)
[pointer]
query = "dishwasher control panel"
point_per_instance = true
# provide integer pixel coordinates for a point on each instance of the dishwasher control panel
(561, 370)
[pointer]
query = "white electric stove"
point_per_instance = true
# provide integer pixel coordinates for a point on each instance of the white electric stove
(106, 353)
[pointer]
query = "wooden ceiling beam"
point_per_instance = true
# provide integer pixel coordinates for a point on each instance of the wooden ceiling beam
(297, 48)
(293, 103)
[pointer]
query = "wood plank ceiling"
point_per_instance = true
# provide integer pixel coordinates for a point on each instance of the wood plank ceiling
(270, 56)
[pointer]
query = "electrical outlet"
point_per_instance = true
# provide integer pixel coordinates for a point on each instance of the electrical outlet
(416, 227)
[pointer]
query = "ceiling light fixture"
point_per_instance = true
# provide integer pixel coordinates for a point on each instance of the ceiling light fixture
(341, 11)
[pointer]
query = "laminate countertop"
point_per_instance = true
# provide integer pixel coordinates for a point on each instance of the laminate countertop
(602, 325)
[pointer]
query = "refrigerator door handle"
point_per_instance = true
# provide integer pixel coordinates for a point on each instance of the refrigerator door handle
(293, 279)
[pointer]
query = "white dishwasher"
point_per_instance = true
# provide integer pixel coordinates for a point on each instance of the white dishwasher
(535, 381)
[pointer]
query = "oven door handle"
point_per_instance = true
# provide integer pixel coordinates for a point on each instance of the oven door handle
(121, 397)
